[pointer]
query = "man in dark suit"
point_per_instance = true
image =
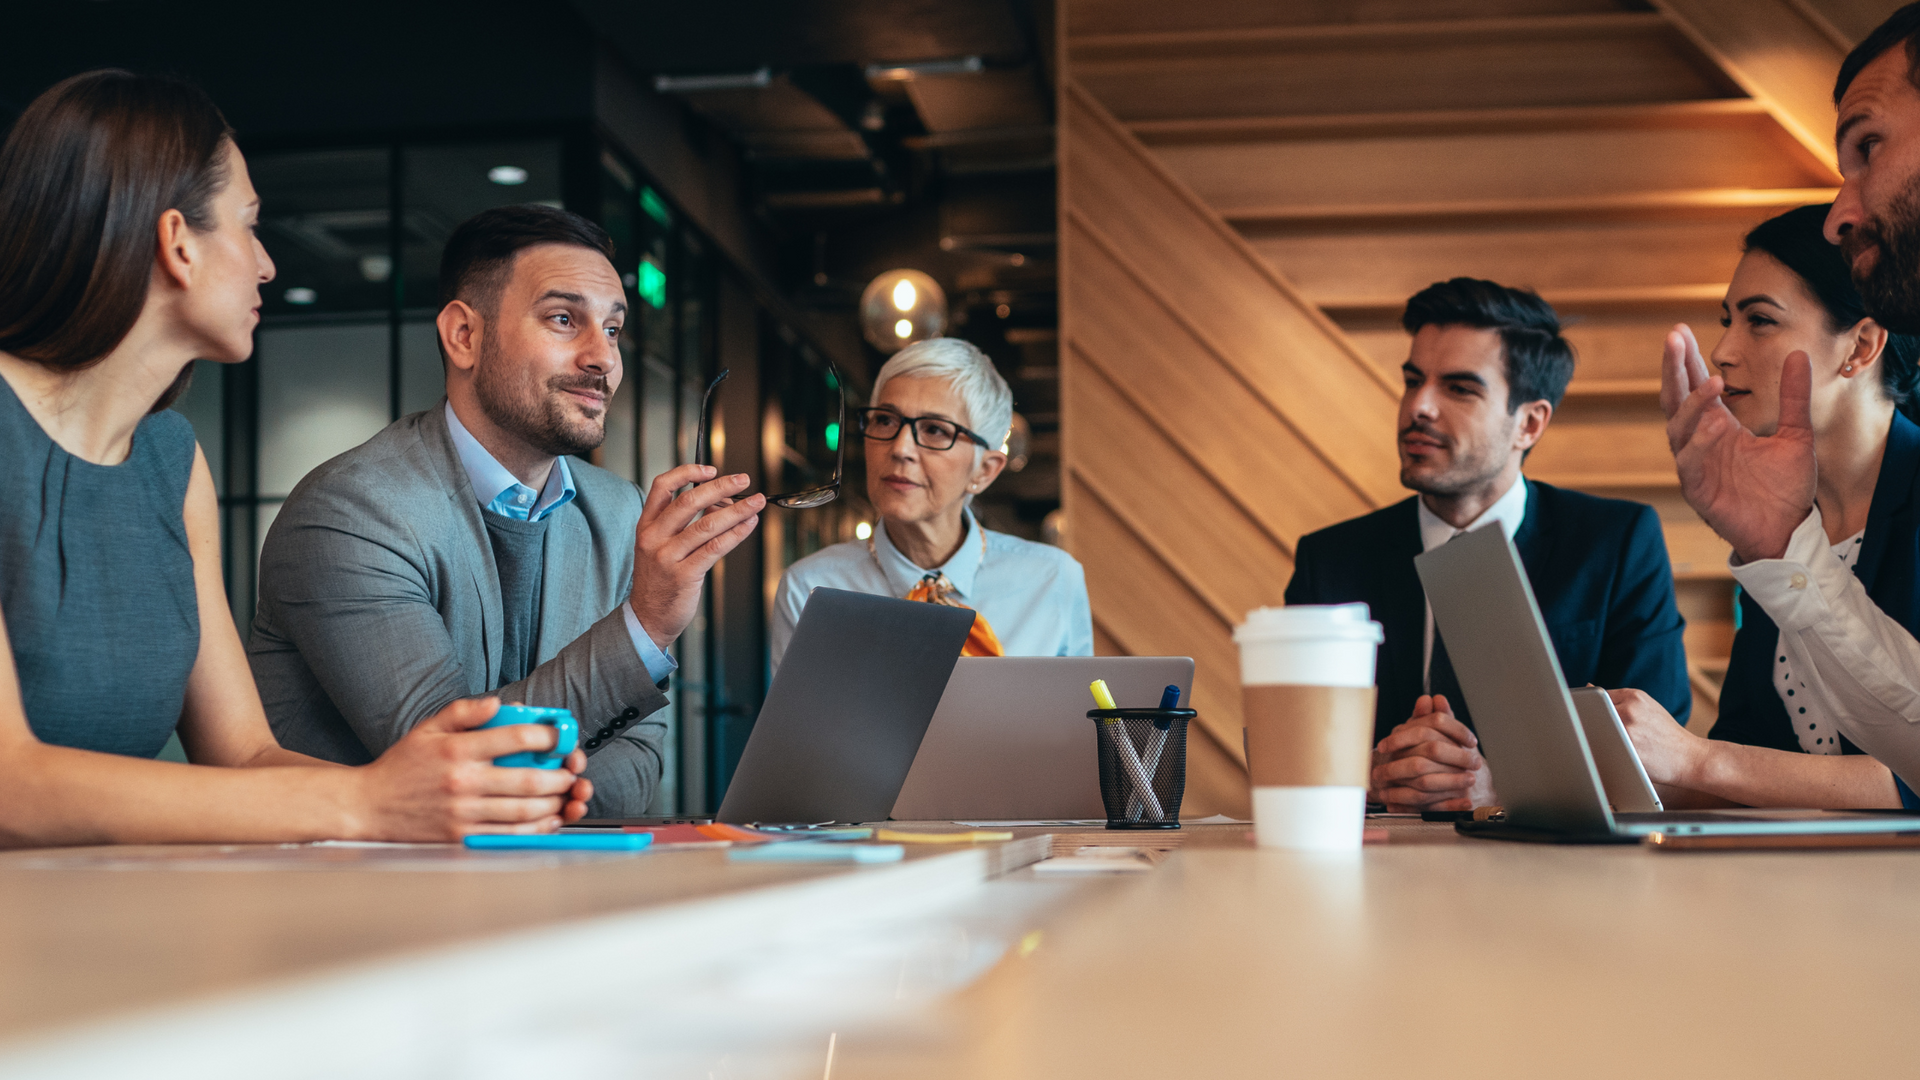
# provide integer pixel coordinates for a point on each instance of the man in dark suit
(1487, 368)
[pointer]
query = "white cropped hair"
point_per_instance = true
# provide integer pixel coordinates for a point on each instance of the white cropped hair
(983, 393)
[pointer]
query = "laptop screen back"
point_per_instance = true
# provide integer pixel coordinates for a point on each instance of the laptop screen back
(1484, 607)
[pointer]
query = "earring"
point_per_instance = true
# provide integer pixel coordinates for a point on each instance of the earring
(1848, 370)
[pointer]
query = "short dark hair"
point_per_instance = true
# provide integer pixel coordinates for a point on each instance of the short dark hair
(85, 175)
(479, 254)
(1539, 360)
(1797, 240)
(1901, 28)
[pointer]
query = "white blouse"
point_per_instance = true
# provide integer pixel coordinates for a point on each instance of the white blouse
(1818, 734)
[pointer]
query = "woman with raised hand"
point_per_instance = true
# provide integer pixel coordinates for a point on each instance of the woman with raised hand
(127, 251)
(1773, 744)
(935, 437)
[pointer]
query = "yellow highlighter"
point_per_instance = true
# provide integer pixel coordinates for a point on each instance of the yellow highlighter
(1102, 697)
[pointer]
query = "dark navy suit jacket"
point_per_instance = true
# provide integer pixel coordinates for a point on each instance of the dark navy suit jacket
(1889, 567)
(1598, 567)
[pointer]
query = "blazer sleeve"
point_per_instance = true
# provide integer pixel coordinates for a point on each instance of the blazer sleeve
(1644, 644)
(1302, 588)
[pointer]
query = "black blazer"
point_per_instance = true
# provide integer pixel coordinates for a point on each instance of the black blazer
(1889, 566)
(1598, 567)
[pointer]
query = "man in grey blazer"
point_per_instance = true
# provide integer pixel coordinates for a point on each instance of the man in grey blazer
(459, 552)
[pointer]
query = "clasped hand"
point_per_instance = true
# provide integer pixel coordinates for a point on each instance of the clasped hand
(1752, 490)
(439, 782)
(1431, 762)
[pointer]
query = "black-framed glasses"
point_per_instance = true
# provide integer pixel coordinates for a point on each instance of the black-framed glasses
(807, 498)
(931, 432)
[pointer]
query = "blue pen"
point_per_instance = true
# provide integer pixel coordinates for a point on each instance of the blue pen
(605, 840)
(1156, 746)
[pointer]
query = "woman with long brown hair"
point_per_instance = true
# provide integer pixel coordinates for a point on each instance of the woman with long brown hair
(127, 251)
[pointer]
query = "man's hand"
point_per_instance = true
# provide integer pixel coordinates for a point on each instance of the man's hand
(1431, 762)
(439, 783)
(1753, 491)
(675, 545)
(1670, 753)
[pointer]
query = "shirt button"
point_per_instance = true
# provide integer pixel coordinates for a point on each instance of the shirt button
(1798, 581)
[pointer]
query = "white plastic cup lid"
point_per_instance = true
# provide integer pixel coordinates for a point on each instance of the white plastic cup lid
(1318, 622)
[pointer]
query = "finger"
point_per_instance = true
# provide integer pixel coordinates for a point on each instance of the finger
(1675, 383)
(520, 828)
(1697, 370)
(676, 517)
(713, 526)
(1422, 705)
(660, 495)
(1404, 769)
(486, 810)
(1406, 735)
(576, 762)
(573, 811)
(583, 790)
(1796, 394)
(1705, 397)
(1413, 802)
(1447, 724)
(461, 715)
(1447, 783)
(703, 557)
(1444, 751)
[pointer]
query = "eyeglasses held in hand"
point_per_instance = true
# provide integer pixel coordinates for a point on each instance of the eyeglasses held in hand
(931, 432)
(808, 498)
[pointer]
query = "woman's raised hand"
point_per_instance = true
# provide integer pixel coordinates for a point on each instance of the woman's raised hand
(439, 783)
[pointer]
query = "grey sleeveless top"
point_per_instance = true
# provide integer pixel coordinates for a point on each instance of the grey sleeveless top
(96, 583)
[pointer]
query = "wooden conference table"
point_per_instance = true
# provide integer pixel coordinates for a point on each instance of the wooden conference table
(1424, 955)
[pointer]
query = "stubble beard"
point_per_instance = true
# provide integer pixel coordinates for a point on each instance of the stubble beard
(542, 419)
(1891, 287)
(1465, 475)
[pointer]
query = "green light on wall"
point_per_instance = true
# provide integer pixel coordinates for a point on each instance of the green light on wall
(656, 209)
(652, 283)
(833, 436)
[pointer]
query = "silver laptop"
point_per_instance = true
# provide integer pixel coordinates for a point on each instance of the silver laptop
(1624, 779)
(1011, 740)
(1543, 766)
(846, 711)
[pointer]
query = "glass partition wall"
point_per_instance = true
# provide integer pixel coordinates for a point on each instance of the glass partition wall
(347, 343)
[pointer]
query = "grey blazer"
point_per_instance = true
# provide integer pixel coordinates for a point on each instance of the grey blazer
(380, 603)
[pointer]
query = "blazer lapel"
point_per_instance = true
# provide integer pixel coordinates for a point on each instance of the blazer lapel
(1892, 492)
(564, 579)
(1402, 611)
(476, 550)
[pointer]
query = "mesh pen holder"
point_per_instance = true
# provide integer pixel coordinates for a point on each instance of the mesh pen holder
(1143, 765)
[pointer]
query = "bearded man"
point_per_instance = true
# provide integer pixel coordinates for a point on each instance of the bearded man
(1485, 372)
(459, 552)
(1860, 665)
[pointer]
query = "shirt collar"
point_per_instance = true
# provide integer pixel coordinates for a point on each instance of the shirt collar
(1509, 510)
(499, 490)
(961, 570)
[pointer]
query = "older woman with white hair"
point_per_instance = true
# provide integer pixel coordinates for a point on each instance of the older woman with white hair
(933, 437)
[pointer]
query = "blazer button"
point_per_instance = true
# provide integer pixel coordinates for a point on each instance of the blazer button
(593, 744)
(630, 713)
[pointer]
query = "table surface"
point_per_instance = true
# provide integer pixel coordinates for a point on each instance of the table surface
(1428, 953)
(1435, 955)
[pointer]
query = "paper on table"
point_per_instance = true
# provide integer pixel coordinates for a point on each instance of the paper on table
(1100, 860)
(1030, 824)
(1218, 819)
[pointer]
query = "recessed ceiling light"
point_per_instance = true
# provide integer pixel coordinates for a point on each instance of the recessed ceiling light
(301, 295)
(507, 175)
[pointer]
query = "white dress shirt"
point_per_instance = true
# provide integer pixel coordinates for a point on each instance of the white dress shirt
(1033, 595)
(1859, 666)
(1509, 510)
(513, 499)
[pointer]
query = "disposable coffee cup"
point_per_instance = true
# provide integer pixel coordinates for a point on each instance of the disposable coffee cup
(1306, 686)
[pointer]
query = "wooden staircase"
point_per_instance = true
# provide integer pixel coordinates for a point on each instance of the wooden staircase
(1250, 191)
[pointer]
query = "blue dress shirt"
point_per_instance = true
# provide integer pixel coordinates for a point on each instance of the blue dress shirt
(516, 500)
(1033, 595)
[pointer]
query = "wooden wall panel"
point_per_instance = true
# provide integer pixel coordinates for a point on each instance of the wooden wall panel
(1182, 255)
(1271, 175)
(1100, 17)
(1583, 60)
(1776, 53)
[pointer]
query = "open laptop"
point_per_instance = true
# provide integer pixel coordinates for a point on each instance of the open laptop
(1543, 765)
(1011, 740)
(846, 711)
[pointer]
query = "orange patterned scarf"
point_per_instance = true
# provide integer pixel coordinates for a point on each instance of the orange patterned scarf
(936, 589)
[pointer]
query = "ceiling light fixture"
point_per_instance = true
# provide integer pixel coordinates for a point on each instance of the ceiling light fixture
(901, 307)
(507, 175)
(300, 295)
